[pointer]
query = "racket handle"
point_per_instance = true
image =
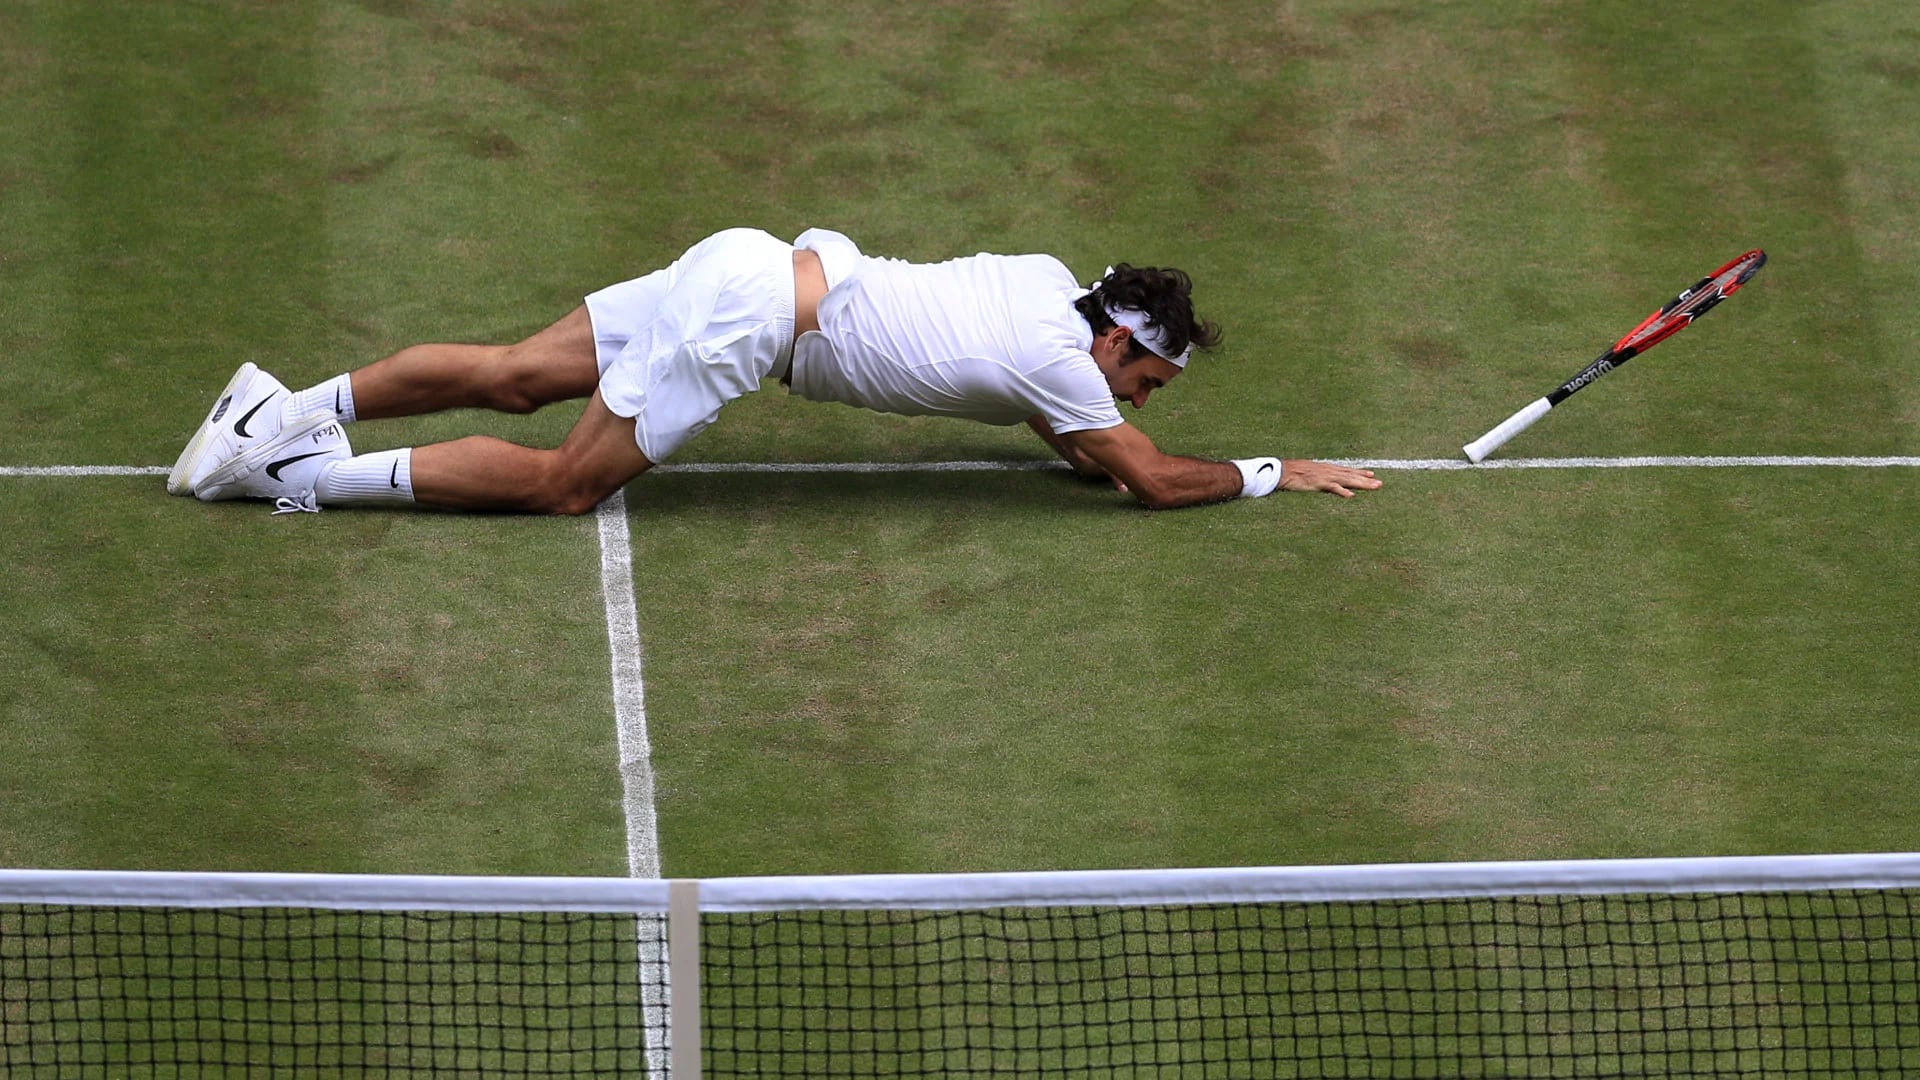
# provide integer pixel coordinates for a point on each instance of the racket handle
(1478, 449)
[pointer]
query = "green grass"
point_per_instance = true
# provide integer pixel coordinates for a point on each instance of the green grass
(222, 693)
(1521, 668)
(1411, 219)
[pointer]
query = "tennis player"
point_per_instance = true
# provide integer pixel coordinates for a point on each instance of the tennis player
(1004, 339)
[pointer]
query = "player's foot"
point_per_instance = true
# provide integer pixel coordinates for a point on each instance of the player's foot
(240, 417)
(283, 467)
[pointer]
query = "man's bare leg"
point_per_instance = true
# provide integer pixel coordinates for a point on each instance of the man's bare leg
(481, 472)
(556, 364)
(484, 473)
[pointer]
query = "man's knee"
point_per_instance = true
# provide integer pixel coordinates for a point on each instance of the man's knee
(558, 364)
(598, 457)
(513, 386)
(516, 379)
(571, 496)
(567, 488)
(576, 503)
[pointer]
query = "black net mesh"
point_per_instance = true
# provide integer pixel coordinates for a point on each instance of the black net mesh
(1610, 986)
(1814, 984)
(177, 992)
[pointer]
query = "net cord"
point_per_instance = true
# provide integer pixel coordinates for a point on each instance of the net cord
(1742, 874)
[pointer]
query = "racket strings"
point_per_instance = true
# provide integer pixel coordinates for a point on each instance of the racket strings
(1693, 303)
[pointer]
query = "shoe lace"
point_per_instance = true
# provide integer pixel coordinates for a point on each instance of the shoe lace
(304, 503)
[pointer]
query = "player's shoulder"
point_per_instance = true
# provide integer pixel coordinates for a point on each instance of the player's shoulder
(1037, 266)
(1043, 299)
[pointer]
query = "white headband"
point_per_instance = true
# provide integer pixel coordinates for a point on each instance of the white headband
(1153, 337)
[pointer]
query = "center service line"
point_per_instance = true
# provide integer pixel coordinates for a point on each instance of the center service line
(636, 765)
(629, 689)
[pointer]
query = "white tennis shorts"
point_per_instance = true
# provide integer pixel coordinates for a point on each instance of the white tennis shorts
(678, 344)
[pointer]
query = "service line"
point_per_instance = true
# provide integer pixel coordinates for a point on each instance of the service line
(1761, 461)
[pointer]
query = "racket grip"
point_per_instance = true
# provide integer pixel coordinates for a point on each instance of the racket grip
(1478, 449)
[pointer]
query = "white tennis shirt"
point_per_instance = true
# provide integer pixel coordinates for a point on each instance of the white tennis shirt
(993, 338)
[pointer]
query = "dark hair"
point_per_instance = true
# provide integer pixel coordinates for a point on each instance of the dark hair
(1164, 295)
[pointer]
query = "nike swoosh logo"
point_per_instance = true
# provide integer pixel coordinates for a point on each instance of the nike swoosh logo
(240, 425)
(393, 478)
(1263, 468)
(273, 470)
(336, 401)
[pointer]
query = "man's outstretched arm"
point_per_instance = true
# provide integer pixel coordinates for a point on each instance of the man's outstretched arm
(1164, 481)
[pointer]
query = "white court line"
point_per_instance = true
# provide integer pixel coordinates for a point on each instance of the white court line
(629, 689)
(636, 766)
(860, 466)
(1764, 461)
(636, 762)
(1415, 464)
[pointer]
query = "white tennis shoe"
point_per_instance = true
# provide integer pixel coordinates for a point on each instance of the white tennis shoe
(283, 467)
(241, 416)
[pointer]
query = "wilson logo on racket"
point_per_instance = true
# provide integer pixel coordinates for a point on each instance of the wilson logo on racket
(1587, 376)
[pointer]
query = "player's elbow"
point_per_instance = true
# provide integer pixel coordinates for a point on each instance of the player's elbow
(1156, 495)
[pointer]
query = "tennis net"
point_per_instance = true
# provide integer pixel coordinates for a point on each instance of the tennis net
(1743, 967)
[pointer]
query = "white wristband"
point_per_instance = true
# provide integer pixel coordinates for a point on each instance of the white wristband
(1259, 476)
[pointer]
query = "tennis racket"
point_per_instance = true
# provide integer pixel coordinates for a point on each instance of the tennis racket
(1656, 328)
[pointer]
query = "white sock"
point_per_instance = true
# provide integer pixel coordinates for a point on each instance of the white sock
(382, 476)
(335, 397)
